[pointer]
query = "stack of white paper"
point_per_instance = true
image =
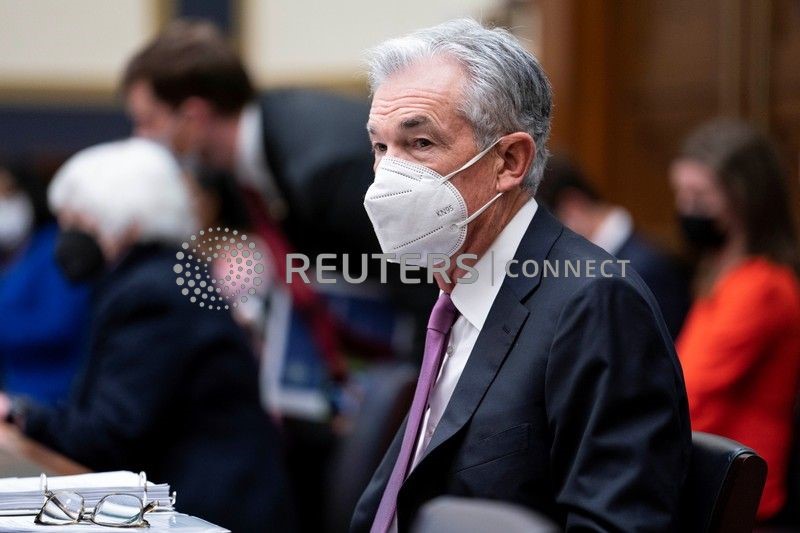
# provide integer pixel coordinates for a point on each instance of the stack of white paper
(168, 522)
(21, 494)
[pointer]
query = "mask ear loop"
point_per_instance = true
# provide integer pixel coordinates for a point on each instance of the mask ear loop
(466, 165)
(475, 215)
(471, 161)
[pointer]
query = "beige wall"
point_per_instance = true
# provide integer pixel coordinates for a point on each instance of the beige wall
(75, 49)
(314, 41)
(70, 44)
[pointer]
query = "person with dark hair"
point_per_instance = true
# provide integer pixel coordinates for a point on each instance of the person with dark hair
(303, 162)
(304, 152)
(302, 157)
(566, 192)
(42, 332)
(185, 88)
(740, 346)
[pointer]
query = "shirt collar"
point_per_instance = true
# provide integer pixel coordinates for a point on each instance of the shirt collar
(249, 153)
(615, 229)
(252, 169)
(474, 300)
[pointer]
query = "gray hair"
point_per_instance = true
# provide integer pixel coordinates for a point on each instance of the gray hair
(507, 89)
(121, 184)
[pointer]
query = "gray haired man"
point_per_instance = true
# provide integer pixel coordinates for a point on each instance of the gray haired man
(561, 394)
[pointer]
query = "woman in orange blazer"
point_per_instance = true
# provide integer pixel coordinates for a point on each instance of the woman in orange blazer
(740, 345)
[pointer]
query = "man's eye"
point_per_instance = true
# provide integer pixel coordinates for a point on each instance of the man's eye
(422, 143)
(378, 148)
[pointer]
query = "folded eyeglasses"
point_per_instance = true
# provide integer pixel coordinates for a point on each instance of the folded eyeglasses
(123, 510)
(65, 507)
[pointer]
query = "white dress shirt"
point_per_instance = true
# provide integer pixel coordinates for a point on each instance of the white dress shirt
(473, 301)
(614, 231)
(252, 170)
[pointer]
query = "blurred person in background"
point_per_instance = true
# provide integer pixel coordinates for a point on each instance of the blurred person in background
(577, 204)
(303, 162)
(740, 346)
(219, 204)
(43, 329)
(304, 152)
(169, 388)
(301, 157)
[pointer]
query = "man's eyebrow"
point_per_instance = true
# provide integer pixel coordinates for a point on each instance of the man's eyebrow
(432, 131)
(413, 122)
(409, 124)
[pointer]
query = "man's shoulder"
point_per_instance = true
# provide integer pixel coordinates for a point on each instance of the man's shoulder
(641, 250)
(576, 266)
(575, 252)
(562, 262)
(570, 244)
(590, 288)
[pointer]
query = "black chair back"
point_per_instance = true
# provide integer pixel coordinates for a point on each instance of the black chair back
(724, 486)
(790, 516)
(358, 454)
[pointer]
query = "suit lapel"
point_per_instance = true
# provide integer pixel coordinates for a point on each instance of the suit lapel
(506, 318)
(502, 325)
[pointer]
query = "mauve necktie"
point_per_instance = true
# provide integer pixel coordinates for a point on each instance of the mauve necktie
(442, 318)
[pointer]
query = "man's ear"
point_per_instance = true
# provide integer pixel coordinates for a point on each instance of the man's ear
(196, 109)
(516, 152)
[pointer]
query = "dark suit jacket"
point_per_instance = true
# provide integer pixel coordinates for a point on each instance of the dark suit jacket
(572, 403)
(318, 151)
(171, 389)
(663, 275)
(317, 148)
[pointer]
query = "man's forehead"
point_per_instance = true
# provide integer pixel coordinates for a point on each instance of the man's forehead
(406, 116)
(425, 92)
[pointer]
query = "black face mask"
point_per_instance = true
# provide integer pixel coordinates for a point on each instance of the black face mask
(79, 256)
(702, 232)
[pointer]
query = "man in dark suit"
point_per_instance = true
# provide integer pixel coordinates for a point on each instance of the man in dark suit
(301, 156)
(302, 160)
(305, 152)
(566, 192)
(558, 392)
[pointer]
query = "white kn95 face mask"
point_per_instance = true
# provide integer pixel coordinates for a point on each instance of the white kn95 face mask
(415, 210)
